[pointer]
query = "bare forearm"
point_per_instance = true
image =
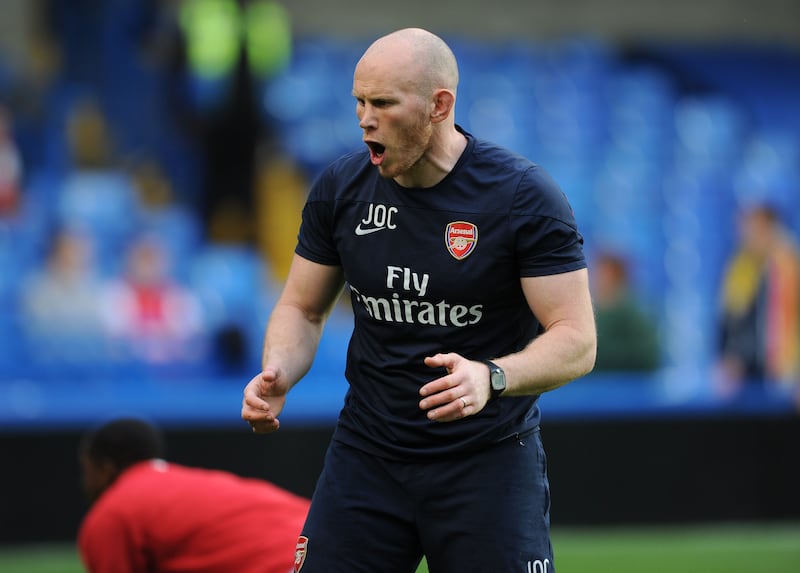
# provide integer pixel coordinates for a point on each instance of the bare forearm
(555, 358)
(566, 350)
(291, 341)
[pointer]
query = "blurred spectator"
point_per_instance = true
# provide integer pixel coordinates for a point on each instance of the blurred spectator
(95, 193)
(89, 135)
(151, 515)
(154, 189)
(10, 166)
(281, 188)
(627, 337)
(76, 29)
(152, 317)
(61, 301)
(760, 300)
(225, 52)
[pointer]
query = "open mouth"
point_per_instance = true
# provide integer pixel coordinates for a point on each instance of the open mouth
(376, 151)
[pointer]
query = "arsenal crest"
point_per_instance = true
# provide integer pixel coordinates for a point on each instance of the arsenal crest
(461, 238)
(300, 553)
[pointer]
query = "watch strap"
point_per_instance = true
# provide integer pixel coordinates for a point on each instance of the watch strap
(493, 393)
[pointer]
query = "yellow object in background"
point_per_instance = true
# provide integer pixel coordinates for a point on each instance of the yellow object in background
(280, 196)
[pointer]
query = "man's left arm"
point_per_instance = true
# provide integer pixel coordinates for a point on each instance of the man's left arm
(566, 349)
(563, 352)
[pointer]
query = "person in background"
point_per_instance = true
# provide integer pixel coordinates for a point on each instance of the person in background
(61, 311)
(627, 336)
(148, 514)
(224, 53)
(759, 339)
(10, 166)
(471, 298)
(154, 317)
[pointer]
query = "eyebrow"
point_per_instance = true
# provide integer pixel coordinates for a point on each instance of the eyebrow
(376, 98)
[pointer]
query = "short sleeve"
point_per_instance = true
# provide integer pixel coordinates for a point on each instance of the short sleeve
(315, 240)
(547, 238)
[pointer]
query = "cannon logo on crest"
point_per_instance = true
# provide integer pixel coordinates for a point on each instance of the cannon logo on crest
(461, 238)
(300, 553)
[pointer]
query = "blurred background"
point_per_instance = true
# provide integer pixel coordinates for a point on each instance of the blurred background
(155, 155)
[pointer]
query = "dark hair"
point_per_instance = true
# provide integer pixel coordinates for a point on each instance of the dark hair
(615, 262)
(124, 442)
(765, 209)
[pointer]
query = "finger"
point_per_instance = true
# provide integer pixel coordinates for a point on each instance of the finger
(454, 410)
(255, 408)
(440, 360)
(254, 400)
(443, 398)
(264, 426)
(258, 386)
(259, 412)
(433, 361)
(269, 375)
(438, 385)
(439, 392)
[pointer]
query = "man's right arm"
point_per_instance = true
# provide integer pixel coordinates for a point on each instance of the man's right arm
(107, 544)
(291, 340)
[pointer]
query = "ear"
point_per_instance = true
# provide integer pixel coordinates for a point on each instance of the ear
(443, 102)
(107, 472)
(96, 475)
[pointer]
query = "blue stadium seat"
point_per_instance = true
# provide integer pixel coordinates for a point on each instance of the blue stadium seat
(641, 101)
(770, 173)
(179, 230)
(311, 103)
(710, 129)
(104, 204)
(231, 281)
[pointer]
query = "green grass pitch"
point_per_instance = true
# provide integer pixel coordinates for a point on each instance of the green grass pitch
(748, 548)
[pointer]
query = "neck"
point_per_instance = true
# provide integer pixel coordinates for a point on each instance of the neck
(443, 152)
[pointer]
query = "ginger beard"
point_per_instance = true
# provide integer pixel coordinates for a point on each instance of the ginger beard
(404, 148)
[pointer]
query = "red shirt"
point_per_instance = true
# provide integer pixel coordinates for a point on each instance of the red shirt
(164, 517)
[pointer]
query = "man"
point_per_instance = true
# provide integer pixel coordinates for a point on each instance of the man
(626, 331)
(759, 338)
(151, 515)
(455, 251)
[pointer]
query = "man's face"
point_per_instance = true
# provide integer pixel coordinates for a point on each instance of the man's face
(756, 231)
(96, 477)
(392, 114)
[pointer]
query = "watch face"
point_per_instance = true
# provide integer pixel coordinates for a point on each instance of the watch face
(498, 379)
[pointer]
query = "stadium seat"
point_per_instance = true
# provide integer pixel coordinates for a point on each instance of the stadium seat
(179, 230)
(641, 101)
(103, 204)
(231, 281)
(710, 129)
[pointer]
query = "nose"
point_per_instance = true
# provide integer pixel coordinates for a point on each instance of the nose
(366, 119)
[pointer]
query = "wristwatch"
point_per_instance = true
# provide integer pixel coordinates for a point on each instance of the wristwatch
(497, 379)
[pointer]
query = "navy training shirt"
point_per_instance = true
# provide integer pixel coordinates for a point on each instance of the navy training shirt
(436, 270)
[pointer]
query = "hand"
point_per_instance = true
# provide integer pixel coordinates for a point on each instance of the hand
(462, 392)
(264, 397)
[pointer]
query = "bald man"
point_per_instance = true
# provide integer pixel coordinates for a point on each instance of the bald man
(470, 295)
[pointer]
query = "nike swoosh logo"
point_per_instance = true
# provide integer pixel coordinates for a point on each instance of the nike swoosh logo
(360, 231)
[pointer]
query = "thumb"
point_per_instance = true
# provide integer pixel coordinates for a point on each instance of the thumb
(439, 360)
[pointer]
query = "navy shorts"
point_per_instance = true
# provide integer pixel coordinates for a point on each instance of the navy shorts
(487, 511)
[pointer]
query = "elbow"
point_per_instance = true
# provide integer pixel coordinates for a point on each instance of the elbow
(588, 357)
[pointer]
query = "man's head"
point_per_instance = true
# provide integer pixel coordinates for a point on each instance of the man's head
(610, 278)
(405, 87)
(759, 227)
(112, 448)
